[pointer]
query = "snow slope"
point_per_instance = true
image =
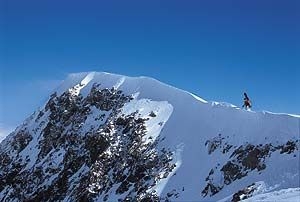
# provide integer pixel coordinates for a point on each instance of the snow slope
(217, 148)
(284, 195)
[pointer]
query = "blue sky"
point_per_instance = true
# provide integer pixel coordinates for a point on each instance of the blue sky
(215, 49)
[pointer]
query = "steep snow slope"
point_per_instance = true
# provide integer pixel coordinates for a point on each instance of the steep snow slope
(103, 136)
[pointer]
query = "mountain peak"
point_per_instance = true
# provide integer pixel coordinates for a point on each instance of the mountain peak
(108, 137)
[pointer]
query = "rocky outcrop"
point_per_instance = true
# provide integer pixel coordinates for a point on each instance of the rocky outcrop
(79, 163)
(244, 193)
(243, 160)
(218, 142)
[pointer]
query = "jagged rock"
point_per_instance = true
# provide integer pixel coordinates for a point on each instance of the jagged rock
(244, 159)
(114, 153)
(289, 147)
(21, 140)
(244, 193)
(152, 114)
(217, 142)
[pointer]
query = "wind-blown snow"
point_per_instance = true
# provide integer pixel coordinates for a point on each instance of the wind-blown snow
(76, 89)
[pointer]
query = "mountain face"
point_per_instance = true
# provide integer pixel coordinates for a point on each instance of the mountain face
(106, 137)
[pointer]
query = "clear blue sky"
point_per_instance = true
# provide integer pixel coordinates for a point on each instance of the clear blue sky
(215, 49)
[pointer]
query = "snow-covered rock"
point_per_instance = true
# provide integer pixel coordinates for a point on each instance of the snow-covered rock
(107, 137)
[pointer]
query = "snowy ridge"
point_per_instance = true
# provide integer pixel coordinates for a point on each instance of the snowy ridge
(116, 81)
(108, 137)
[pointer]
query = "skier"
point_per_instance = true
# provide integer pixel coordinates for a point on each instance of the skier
(247, 103)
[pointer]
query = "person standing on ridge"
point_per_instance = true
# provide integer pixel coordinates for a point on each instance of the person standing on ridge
(247, 103)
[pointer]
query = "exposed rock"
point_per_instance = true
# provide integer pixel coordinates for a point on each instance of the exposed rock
(21, 140)
(244, 159)
(244, 193)
(218, 142)
(92, 162)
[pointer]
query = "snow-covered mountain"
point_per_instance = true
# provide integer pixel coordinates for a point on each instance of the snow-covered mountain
(107, 137)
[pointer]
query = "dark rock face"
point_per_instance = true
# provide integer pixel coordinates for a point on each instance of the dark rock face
(111, 158)
(245, 193)
(218, 142)
(133, 164)
(289, 147)
(21, 140)
(244, 159)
